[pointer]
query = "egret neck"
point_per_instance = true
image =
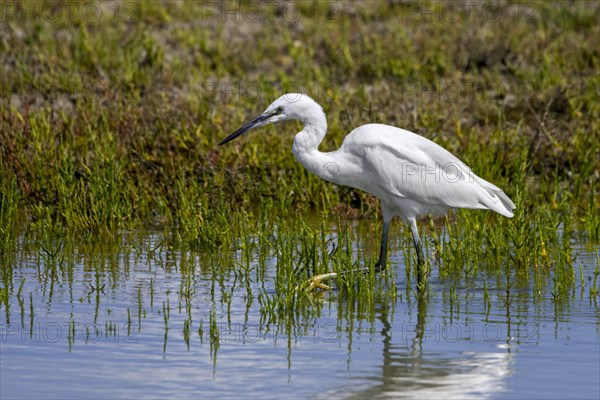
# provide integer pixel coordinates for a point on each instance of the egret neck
(306, 145)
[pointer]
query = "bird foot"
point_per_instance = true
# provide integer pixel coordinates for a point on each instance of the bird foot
(316, 282)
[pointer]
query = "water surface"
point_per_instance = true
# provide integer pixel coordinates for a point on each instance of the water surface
(93, 325)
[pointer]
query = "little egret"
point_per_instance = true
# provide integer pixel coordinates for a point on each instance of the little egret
(411, 175)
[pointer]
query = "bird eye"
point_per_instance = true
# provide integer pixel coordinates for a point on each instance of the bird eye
(279, 110)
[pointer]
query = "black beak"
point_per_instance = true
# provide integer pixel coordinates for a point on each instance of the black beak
(245, 128)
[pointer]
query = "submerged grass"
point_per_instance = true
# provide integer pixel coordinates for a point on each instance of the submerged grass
(110, 125)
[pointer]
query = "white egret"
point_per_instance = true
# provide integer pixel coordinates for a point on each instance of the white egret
(411, 175)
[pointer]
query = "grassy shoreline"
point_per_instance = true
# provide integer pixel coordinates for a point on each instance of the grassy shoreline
(109, 121)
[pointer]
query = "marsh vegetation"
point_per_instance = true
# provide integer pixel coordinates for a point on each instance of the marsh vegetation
(120, 218)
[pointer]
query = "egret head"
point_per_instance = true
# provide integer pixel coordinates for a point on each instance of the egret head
(289, 106)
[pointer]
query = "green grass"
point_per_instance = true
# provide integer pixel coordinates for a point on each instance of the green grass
(110, 124)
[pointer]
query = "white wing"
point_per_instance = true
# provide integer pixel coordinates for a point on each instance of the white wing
(402, 164)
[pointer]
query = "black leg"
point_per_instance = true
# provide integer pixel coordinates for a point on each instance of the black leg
(382, 262)
(420, 254)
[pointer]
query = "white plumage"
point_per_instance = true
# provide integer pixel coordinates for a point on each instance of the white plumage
(411, 175)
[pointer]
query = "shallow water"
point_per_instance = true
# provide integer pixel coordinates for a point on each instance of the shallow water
(99, 330)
